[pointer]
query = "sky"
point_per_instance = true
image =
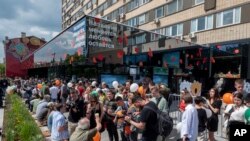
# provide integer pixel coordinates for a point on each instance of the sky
(40, 18)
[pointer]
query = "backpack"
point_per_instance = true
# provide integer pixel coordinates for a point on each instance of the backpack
(164, 122)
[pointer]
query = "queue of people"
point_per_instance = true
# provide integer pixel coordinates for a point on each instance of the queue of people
(125, 112)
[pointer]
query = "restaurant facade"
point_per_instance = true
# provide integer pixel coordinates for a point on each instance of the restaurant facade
(108, 51)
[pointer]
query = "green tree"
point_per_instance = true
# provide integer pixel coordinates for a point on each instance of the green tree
(2, 69)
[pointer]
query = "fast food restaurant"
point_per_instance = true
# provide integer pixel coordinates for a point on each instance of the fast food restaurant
(108, 51)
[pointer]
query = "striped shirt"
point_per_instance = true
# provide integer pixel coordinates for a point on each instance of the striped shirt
(58, 121)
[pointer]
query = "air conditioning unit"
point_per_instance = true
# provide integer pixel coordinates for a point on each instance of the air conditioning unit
(156, 21)
(122, 16)
(192, 35)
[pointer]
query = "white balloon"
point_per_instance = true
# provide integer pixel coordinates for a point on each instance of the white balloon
(69, 84)
(178, 127)
(97, 89)
(208, 112)
(94, 83)
(134, 87)
(115, 84)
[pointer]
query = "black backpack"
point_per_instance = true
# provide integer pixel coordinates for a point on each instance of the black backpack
(164, 122)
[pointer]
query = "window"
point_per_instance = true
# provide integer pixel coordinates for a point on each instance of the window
(141, 19)
(157, 36)
(121, 10)
(114, 1)
(141, 2)
(228, 17)
(136, 3)
(196, 2)
(132, 22)
(105, 17)
(140, 39)
(94, 12)
(159, 12)
(202, 23)
(174, 6)
(93, 1)
(131, 41)
(174, 30)
(105, 5)
(89, 5)
(114, 15)
(101, 8)
(133, 4)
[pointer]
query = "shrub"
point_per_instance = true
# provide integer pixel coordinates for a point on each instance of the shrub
(19, 125)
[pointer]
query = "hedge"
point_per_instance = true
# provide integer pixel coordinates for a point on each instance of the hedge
(18, 122)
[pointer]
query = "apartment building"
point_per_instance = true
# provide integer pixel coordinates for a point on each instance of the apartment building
(205, 22)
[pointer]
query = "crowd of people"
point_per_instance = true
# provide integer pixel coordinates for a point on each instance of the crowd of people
(126, 114)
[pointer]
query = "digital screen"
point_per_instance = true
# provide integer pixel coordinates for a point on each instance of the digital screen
(109, 78)
(129, 60)
(160, 79)
(171, 59)
(65, 47)
(143, 58)
(132, 71)
(160, 71)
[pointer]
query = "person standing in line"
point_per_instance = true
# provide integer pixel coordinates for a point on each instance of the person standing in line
(158, 99)
(4, 84)
(148, 120)
(236, 111)
(214, 104)
(202, 115)
(239, 86)
(59, 129)
(64, 92)
(54, 92)
(75, 106)
(189, 130)
(109, 109)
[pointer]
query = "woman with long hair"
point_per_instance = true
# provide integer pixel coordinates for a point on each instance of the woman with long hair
(94, 107)
(214, 103)
(235, 112)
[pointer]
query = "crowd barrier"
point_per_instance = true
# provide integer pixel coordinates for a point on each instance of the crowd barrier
(175, 114)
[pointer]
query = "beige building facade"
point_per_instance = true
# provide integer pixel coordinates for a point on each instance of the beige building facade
(199, 21)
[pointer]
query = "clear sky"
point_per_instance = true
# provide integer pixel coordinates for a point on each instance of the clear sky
(40, 18)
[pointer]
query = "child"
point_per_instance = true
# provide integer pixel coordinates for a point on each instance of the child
(202, 116)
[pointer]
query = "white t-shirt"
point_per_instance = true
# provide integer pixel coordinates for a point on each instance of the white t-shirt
(238, 114)
(54, 92)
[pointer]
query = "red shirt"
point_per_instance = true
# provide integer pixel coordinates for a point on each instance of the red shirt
(81, 90)
(182, 105)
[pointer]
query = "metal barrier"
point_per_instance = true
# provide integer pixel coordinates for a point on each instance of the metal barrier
(175, 114)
